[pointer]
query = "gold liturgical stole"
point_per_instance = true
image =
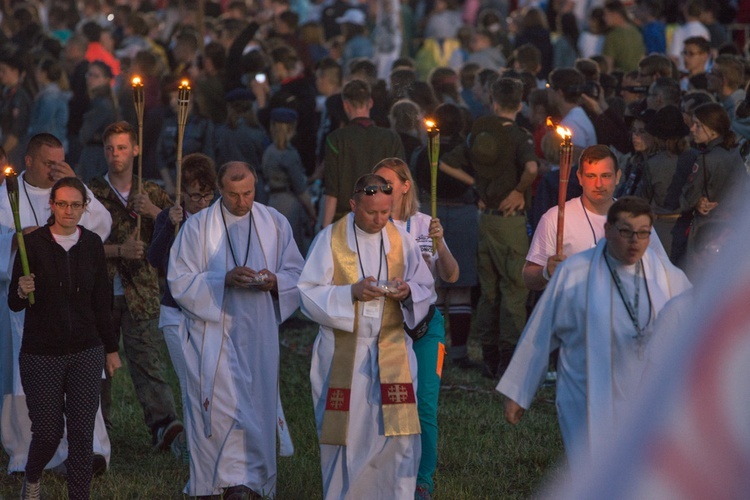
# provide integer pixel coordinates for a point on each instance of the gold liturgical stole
(398, 400)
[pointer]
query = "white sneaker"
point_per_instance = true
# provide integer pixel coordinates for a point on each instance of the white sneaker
(31, 491)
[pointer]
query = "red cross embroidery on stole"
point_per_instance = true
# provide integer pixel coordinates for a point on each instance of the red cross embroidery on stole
(397, 394)
(338, 399)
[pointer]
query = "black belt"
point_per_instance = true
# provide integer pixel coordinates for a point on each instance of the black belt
(420, 330)
(494, 211)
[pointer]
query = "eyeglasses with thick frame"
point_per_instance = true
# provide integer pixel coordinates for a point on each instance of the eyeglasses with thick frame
(197, 197)
(373, 189)
(628, 234)
(76, 205)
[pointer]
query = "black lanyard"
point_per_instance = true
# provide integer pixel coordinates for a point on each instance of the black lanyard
(589, 220)
(632, 308)
(229, 238)
(25, 190)
(380, 255)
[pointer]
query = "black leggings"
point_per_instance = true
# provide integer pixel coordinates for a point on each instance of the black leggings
(59, 389)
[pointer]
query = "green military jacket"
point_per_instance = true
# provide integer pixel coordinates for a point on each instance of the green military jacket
(139, 279)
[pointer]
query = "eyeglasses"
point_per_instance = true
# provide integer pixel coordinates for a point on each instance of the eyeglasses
(372, 190)
(196, 197)
(63, 205)
(628, 234)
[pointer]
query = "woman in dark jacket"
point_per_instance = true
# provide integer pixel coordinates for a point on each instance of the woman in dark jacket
(718, 171)
(67, 331)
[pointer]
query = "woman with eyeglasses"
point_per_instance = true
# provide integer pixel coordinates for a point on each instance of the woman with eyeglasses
(68, 337)
(718, 172)
(198, 191)
(428, 348)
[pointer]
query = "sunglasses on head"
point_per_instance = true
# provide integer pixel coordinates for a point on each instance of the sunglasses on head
(371, 190)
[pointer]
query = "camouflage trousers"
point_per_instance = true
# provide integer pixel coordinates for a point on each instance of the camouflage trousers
(145, 351)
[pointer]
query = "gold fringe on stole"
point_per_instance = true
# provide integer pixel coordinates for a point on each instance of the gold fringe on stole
(397, 395)
(397, 392)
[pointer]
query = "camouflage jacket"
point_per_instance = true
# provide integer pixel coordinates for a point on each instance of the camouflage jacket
(139, 279)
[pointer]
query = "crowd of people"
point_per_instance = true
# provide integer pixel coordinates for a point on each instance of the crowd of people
(304, 136)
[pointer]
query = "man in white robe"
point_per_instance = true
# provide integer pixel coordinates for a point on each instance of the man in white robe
(598, 308)
(365, 455)
(233, 270)
(45, 164)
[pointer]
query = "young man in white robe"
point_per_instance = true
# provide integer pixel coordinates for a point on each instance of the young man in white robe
(45, 164)
(598, 309)
(233, 270)
(363, 279)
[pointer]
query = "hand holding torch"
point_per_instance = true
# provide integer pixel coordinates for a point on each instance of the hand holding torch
(12, 179)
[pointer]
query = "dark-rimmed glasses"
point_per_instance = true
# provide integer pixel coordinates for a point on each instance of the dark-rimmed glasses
(196, 197)
(63, 205)
(374, 188)
(628, 234)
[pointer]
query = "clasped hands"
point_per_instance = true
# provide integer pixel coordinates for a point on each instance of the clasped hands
(367, 289)
(244, 277)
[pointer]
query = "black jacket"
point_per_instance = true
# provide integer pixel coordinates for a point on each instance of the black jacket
(73, 298)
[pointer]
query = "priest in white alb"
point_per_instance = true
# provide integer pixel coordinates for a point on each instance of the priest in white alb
(233, 270)
(598, 308)
(45, 164)
(363, 280)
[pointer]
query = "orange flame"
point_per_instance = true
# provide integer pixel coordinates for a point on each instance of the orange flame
(563, 132)
(185, 84)
(8, 170)
(549, 122)
(429, 123)
(136, 80)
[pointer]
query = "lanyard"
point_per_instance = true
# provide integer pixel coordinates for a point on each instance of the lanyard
(229, 238)
(589, 220)
(408, 224)
(25, 190)
(632, 308)
(380, 255)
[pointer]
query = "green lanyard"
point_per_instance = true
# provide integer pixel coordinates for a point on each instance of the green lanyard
(632, 308)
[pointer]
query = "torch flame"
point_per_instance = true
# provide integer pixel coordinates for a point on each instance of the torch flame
(563, 132)
(136, 80)
(429, 123)
(185, 84)
(549, 122)
(8, 170)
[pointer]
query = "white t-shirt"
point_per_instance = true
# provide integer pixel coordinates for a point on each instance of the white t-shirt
(579, 124)
(67, 240)
(418, 227)
(580, 233)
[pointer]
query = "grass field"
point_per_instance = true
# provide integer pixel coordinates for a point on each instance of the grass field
(480, 456)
